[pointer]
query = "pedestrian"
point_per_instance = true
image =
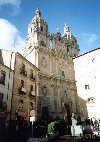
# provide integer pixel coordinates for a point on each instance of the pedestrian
(91, 121)
(98, 126)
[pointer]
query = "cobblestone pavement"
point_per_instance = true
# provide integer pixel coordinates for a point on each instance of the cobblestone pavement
(82, 140)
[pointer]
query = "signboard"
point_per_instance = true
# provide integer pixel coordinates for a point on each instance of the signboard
(32, 119)
(32, 113)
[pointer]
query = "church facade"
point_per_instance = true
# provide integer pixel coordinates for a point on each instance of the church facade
(52, 54)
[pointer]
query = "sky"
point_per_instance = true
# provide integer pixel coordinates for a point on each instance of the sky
(82, 17)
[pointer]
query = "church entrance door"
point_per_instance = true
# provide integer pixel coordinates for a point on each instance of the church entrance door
(68, 113)
(45, 113)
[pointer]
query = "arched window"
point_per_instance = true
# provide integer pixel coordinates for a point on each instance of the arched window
(42, 28)
(73, 43)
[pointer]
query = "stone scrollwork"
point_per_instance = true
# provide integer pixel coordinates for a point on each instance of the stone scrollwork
(52, 83)
(44, 62)
(44, 90)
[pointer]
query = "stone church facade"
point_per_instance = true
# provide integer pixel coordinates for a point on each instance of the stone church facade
(52, 54)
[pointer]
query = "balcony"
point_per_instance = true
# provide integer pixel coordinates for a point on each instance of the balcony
(32, 93)
(22, 90)
(23, 71)
(32, 77)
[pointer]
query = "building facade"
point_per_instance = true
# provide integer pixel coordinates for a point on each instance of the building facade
(24, 83)
(6, 83)
(25, 87)
(57, 96)
(87, 75)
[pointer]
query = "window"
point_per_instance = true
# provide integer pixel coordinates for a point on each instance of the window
(23, 67)
(63, 73)
(68, 36)
(31, 30)
(87, 87)
(31, 88)
(42, 28)
(73, 43)
(22, 89)
(22, 70)
(42, 43)
(90, 100)
(59, 38)
(31, 74)
(68, 50)
(4, 106)
(1, 97)
(22, 83)
(2, 77)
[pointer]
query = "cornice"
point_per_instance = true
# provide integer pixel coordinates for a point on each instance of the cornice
(60, 79)
(54, 53)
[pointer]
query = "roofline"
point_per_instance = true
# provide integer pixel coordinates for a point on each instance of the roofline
(26, 60)
(87, 52)
(20, 56)
(8, 50)
(6, 67)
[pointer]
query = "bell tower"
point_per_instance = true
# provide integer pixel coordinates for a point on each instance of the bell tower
(38, 34)
(70, 42)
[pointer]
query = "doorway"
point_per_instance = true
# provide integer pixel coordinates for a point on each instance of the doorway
(45, 113)
(68, 110)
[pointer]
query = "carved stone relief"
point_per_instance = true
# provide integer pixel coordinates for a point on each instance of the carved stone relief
(44, 100)
(44, 90)
(43, 62)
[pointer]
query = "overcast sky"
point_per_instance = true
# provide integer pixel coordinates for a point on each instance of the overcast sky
(82, 16)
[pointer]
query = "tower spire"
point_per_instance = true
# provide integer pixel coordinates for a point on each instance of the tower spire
(66, 28)
(58, 30)
(37, 12)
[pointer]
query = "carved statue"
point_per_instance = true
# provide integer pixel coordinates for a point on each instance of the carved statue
(74, 121)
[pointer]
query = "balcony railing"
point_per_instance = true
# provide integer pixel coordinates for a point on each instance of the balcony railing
(23, 71)
(22, 90)
(32, 77)
(32, 93)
